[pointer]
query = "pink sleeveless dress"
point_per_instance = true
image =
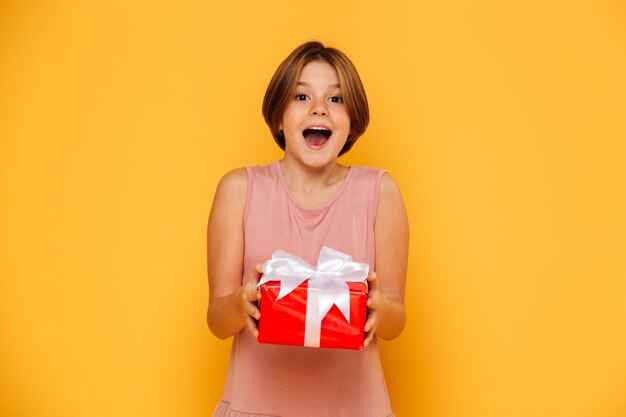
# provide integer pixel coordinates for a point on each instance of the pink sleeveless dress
(292, 381)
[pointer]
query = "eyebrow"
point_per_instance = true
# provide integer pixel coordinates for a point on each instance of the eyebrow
(302, 83)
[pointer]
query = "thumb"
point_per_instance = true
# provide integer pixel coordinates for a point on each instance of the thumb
(255, 274)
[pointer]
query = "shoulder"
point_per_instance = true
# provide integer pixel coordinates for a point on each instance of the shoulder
(235, 180)
(386, 183)
(389, 186)
(368, 176)
(233, 187)
(390, 197)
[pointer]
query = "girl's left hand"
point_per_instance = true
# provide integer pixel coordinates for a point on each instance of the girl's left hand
(376, 306)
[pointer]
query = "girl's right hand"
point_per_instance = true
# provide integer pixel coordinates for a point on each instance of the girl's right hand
(250, 295)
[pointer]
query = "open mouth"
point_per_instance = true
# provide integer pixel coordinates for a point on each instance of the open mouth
(316, 136)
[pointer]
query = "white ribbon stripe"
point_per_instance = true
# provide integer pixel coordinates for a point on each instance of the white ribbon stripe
(327, 284)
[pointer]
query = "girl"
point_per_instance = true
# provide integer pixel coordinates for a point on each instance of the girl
(316, 109)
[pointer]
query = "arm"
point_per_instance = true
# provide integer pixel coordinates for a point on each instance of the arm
(387, 315)
(231, 305)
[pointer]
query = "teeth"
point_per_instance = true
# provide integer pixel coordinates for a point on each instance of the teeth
(318, 128)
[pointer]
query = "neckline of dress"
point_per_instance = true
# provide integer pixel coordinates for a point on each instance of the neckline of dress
(324, 206)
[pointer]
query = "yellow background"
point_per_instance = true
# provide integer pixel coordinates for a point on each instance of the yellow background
(503, 122)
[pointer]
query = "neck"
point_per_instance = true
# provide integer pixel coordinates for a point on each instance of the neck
(310, 179)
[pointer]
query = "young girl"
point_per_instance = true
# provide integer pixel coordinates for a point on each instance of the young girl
(316, 109)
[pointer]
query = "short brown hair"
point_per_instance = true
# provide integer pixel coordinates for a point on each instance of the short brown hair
(283, 85)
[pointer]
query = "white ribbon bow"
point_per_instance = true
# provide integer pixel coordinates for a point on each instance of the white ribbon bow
(327, 284)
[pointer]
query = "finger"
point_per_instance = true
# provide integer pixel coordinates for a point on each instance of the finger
(252, 327)
(373, 290)
(254, 275)
(251, 292)
(373, 285)
(372, 301)
(257, 271)
(249, 295)
(368, 338)
(252, 311)
(370, 327)
(371, 322)
(372, 280)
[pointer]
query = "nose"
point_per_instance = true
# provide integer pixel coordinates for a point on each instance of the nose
(318, 107)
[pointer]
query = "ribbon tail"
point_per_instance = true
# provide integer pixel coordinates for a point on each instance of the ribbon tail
(313, 321)
(335, 292)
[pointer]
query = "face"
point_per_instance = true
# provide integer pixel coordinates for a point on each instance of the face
(316, 123)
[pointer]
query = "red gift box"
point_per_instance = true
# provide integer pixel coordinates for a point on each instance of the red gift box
(324, 306)
(283, 321)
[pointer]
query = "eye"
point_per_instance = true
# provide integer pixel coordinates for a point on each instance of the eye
(336, 99)
(301, 97)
